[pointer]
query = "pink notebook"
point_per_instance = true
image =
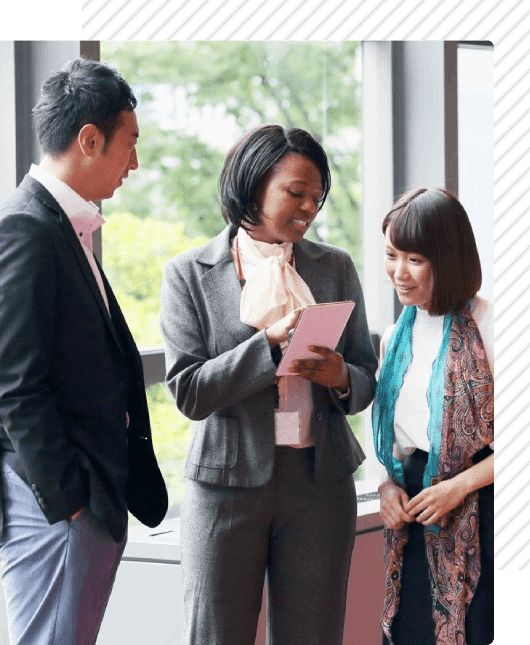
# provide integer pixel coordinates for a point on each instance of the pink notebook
(320, 324)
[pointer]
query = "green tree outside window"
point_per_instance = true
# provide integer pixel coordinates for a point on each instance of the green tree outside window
(195, 100)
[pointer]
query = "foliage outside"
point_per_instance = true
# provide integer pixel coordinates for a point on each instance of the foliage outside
(197, 98)
(194, 100)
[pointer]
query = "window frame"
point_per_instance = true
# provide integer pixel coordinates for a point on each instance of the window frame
(391, 87)
(391, 83)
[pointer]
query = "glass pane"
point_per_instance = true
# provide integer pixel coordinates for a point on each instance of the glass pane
(170, 437)
(194, 100)
(475, 150)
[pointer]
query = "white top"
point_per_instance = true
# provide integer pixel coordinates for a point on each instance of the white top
(412, 411)
(84, 216)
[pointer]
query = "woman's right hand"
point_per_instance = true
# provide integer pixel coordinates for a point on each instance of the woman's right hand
(278, 332)
(393, 500)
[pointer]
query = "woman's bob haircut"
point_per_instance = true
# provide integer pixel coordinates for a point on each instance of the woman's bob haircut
(433, 223)
(250, 161)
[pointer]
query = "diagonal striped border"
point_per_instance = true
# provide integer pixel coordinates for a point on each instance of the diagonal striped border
(507, 28)
(298, 19)
(509, 33)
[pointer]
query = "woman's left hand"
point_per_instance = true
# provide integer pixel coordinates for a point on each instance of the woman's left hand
(434, 502)
(329, 371)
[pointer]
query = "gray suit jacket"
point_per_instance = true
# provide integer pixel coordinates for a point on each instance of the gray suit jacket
(221, 371)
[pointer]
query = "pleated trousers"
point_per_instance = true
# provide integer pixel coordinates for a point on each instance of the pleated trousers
(297, 533)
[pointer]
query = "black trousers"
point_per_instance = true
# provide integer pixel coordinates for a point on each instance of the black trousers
(413, 623)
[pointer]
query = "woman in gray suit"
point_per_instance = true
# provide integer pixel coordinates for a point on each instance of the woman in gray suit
(270, 461)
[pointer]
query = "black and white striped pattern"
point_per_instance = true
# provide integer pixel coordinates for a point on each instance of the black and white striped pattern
(504, 23)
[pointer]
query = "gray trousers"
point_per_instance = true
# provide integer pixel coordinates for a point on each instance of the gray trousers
(298, 532)
(58, 577)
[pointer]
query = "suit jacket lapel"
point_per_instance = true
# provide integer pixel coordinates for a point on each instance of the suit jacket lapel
(85, 266)
(116, 319)
(321, 284)
(222, 289)
(64, 225)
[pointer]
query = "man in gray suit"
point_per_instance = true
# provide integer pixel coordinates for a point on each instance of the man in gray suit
(75, 441)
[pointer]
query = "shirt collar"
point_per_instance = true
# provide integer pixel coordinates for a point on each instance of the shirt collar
(84, 216)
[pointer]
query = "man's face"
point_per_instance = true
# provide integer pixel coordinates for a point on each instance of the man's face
(117, 158)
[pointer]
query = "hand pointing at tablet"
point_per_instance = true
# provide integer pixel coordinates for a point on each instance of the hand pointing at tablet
(279, 332)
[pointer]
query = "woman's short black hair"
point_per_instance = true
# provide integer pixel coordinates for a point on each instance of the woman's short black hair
(251, 160)
(433, 223)
(84, 91)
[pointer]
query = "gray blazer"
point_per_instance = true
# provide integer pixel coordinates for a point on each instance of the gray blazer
(222, 371)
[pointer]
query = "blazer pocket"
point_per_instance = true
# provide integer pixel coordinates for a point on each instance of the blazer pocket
(215, 442)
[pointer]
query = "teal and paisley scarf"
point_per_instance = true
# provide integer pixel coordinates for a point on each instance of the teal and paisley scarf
(398, 357)
(460, 398)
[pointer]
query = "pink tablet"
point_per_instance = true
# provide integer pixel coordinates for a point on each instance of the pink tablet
(320, 324)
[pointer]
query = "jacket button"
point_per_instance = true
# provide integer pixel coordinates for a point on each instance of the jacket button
(319, 416)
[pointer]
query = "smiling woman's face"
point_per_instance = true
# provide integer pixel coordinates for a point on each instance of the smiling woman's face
(289, 199)
(411, 275)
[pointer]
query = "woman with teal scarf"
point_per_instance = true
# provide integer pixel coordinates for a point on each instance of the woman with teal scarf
(433, 429)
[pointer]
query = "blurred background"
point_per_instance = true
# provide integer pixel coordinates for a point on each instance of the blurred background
(390, 115)
(195, 100)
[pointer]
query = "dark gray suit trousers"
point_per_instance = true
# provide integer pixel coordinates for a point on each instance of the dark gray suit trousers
(297, 532)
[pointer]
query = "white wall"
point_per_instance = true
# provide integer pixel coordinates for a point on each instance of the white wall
(475, 151)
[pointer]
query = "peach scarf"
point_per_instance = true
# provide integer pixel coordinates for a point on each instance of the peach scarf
(273, 288)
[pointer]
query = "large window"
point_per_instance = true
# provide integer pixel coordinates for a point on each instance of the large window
(195, 100)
